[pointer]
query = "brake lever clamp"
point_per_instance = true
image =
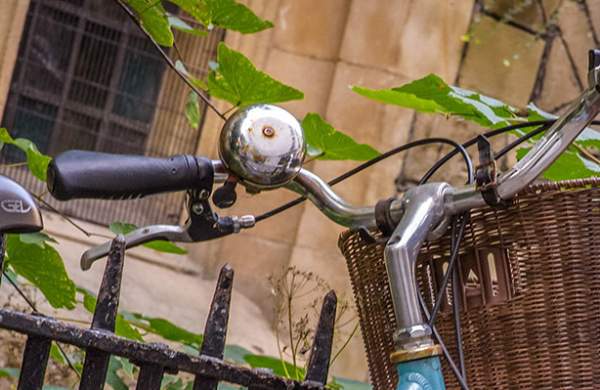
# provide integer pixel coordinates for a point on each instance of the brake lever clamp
(202, 225)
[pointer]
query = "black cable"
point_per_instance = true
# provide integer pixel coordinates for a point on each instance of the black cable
(520, 140)
(426, 141)
(432, 170)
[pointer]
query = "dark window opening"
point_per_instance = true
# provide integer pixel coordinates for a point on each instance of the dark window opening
(87, 78)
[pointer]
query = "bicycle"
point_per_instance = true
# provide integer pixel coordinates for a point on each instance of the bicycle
(262, 148)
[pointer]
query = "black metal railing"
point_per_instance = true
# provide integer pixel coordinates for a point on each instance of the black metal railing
(156, 359)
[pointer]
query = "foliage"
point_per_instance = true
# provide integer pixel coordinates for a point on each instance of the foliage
(325, 142)
(36, 161)
(43, 266)
(237, 80)
(432, 95)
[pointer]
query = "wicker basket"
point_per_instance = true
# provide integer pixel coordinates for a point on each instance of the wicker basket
(530, 292)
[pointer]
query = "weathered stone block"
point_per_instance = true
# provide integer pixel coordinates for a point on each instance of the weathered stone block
(501, 61)
(310, 75)
(311, 27)
(412, 38)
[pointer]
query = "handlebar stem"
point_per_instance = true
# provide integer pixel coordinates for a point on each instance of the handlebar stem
(423, 211)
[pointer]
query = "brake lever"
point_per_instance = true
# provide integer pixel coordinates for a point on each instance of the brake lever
(203, 225)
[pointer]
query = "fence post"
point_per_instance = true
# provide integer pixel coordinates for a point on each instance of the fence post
(215, 330)
(96, 362)
(320, 353)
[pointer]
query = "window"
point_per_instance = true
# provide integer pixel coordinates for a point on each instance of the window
(87, 78)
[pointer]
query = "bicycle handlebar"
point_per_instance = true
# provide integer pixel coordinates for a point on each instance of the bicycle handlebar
(81, 174)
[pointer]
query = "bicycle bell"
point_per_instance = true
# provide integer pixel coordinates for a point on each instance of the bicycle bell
(262, 146)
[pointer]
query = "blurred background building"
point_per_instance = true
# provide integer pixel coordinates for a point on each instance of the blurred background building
(79, 74)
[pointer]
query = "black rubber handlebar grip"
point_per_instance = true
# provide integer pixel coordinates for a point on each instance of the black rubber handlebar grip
(81, 174)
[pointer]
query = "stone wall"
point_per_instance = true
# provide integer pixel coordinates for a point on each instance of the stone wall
(513, 50)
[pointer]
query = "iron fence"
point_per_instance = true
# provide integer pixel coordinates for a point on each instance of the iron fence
(156, 359)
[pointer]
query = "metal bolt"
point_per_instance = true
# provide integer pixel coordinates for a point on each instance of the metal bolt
(197, 208)
(268, 131)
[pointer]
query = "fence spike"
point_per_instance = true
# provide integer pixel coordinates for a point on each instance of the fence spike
(215, 331)
(320, 353)
(35, 360)
(96, 362)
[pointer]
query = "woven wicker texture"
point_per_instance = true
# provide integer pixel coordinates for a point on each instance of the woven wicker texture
(545, 334)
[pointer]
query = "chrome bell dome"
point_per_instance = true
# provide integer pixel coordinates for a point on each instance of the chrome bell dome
(263, 146)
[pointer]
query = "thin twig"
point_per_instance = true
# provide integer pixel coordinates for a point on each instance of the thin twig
(169, 61)
(345, 344)
(586, 153)
(40, 199)
(14, 165)
(35, 310)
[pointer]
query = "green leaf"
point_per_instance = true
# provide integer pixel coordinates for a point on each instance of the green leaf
(236, 354)
(192, 110)
(570, 165)
(164, 328)
(44, 268)
(122, 327)
(154, 19)
(227, 14)
(240, 83)
(36, 161)
(432, 95)
(349, 384)
(37, 238)
(180, 24)
(56, 355)
(275, 365)
(157, 245)
(9, 372)
(112, 376)
(326, 143)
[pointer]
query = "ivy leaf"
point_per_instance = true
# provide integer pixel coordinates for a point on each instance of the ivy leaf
(164, 328)
(240, 83)
(236, 354)
(349, 384)
(192, 110)
(570, 165)
(154, 19)
(9, 372)
(37, 238)
(228, 14)
(276, 365)
(157, 245)
(122, 326)
(181, 25)
(112, 375)
(432, 95)
(326, 143)
(44, 268)
(36, 161)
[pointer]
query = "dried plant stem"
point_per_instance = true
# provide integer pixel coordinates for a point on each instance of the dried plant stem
(344, 345)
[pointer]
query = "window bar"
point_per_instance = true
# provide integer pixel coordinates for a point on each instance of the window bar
(96, 362)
